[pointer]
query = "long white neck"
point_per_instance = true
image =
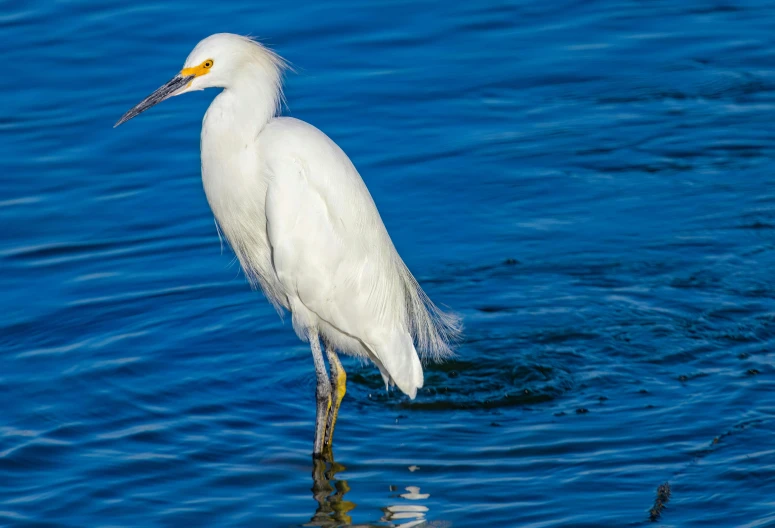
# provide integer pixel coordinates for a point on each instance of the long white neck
(252, 97)
(232, 174)
(236, 117)
(230, 161)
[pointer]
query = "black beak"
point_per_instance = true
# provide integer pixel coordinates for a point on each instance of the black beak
(156, 97)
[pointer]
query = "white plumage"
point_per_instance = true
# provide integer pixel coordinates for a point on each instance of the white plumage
(302, 222)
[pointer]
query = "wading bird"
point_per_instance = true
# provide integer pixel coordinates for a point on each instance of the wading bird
(304, 226)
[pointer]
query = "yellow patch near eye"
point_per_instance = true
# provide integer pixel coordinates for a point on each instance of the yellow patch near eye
(197, 71)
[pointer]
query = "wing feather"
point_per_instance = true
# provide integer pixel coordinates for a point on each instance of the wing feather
(331, 249)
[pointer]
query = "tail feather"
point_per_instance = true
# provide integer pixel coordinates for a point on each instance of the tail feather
(434, 330)
(398, 362)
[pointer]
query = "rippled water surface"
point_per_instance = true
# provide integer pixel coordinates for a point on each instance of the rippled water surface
(589, 184)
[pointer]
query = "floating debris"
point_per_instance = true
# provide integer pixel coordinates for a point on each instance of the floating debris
(663, 497)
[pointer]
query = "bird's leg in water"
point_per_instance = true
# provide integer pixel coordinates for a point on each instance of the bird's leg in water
(338, 388)
(322, 394)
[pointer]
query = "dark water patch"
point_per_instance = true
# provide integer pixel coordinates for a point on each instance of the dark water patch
(757, 225)
(53, 251)
(33, 454)
(483, 386)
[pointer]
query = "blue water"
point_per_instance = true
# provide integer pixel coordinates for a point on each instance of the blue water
(589, 184)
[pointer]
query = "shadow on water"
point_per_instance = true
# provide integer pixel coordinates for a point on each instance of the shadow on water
(334, 510)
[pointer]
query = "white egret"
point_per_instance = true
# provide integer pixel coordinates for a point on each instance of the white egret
(304, 226)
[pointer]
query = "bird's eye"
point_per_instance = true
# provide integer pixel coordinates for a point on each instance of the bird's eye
(208, 64)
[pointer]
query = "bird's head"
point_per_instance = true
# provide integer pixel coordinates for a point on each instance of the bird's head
(222, 60)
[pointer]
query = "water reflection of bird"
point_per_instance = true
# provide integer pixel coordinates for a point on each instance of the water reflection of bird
(407, 515)
(329, 492)
(334, 510)
(304, 227)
